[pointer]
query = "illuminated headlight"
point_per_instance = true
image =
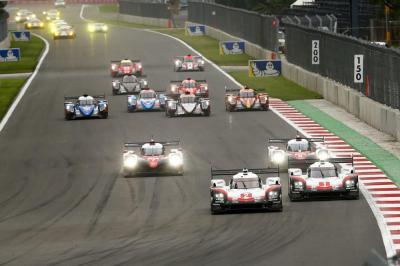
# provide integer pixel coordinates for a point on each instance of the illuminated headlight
(230, 99)
(48, 18)
(323, 155)
(17, 18)
(298, 185)
(219, 195)
(114, 67)
(41, 24)
(278, 156)
(145, 82)
(177, 63)
(32, 16)
(18, 14)
(350, 183)
(201, 62)
(130, 161)
(105, 28)
(175, 159)
(29, 25)
(171, 105)
(273, 195)
(91, 28)
(139, 66)
(70, 33)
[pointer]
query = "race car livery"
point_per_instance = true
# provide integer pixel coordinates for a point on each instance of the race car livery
(129, 84)
(34, 23)
(152, 158)
(146, 100)
(189, 63)
(191, 86)
(187, 105)
(298, 148)
(333, 177)
(64, 32)
(85, 106)
(24, 15)
(245, 190)
(126, 67)
(59, 3)
(97, 27)
(245, 99)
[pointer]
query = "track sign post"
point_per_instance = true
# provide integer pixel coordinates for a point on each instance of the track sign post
(315, 52)
(358, 68)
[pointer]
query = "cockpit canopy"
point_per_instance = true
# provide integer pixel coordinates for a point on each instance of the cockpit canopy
(126, 63)
(129, 79)
(188, 98)
(189, 84)
(322, 172)
(88, 100)
(298, 145)
(152, 149)
(149, 94)
(246, 94)
(245, 183)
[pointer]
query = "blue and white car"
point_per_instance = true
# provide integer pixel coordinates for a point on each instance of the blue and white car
(85, 106)
(146, 100)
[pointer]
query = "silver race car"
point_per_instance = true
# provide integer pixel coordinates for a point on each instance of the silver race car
(187, 105)
(85, 106)
(244, 189)
(129, 84)
(146, 100)
(189, 63)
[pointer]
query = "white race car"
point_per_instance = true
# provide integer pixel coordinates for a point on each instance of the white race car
(333, 177)
(34, 23)
(187, 105)
(97, 27)
(245, 189)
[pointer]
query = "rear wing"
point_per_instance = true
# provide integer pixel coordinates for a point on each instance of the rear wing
(287, 140)
(330, 160)
(101, 96)
(119, 61)
(164, 143)
(231, 172)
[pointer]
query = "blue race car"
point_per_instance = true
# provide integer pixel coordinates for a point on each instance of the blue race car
(85, 106)
(146, 100)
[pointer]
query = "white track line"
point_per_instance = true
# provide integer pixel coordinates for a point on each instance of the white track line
(387, 240)
(26, 85)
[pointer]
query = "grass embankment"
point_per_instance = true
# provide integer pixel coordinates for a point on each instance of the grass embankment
(109, 8)
(30, 53)
(278, 87)
(209, 47)
(9, 89)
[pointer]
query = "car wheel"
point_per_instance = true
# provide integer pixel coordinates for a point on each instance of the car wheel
(207, 112)
(104, 115)
(69, 116)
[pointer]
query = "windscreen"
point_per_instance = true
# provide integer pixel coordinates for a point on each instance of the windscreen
(147, 95)
(188, 99)
(129, 79)
(246, 183)
(298, 146)
(322, 172)
(247, 94)
(152, 150)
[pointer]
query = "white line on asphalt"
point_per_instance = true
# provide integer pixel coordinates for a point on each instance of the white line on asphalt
(26, 85)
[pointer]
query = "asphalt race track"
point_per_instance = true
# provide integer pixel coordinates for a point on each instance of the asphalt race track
(63, 200)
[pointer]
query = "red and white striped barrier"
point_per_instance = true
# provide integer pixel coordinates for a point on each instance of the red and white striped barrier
(382, 194)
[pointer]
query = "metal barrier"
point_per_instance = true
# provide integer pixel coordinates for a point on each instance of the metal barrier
(379, 73)
(250, 26)
(144, 9)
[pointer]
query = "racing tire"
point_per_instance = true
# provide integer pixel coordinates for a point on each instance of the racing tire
(201, 69)
(231, 108)
(114, 93)
(69, 116)
(207, 112)
(294, 199)
(104, 115)
(215, 211)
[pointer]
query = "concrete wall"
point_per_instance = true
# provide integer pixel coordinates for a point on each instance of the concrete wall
(251, 49)
(5, 43)
(375, 114)
(158, 22)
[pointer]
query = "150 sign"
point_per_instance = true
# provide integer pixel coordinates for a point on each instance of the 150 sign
(315, 52)
(358, 68)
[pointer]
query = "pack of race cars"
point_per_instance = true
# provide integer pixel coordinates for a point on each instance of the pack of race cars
(312, 170)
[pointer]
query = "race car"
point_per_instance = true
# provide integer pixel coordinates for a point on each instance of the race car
(59, 3)
(85, 106)
(298, 148)
(57, 23)
(152, 158)
(245, 99)
(245, 190)
(196, 87)
(52, 14)
(323, 178)
(126, 67)
(64, 32)
(187, 105)
(189, 63)
(34, 23)
(97, 27)
(129, 84)
(24, 15)
(146, 100)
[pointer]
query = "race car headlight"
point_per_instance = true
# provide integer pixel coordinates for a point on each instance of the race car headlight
(48, 18)
(273, 195)
(114, 67)
(29, 25)
(145, 82)
(41, 24)
(56, 33)
(70, 33)
(130, 161)
(201, 62)
(175, 159)
(139, 66)
(105, 28)
(32, 16)
(219, 196)
(323, 154)
(278, 156)
(298, 185)
(171, 105)
(350, 183)
(17, 18)
(18, 14)
(91, 28)
(177, 62)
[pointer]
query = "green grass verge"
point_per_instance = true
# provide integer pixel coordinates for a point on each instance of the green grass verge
(30, 53)
(9, 89)
(277, 87)
(385, 160)
(109, 8)
(209, 47)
